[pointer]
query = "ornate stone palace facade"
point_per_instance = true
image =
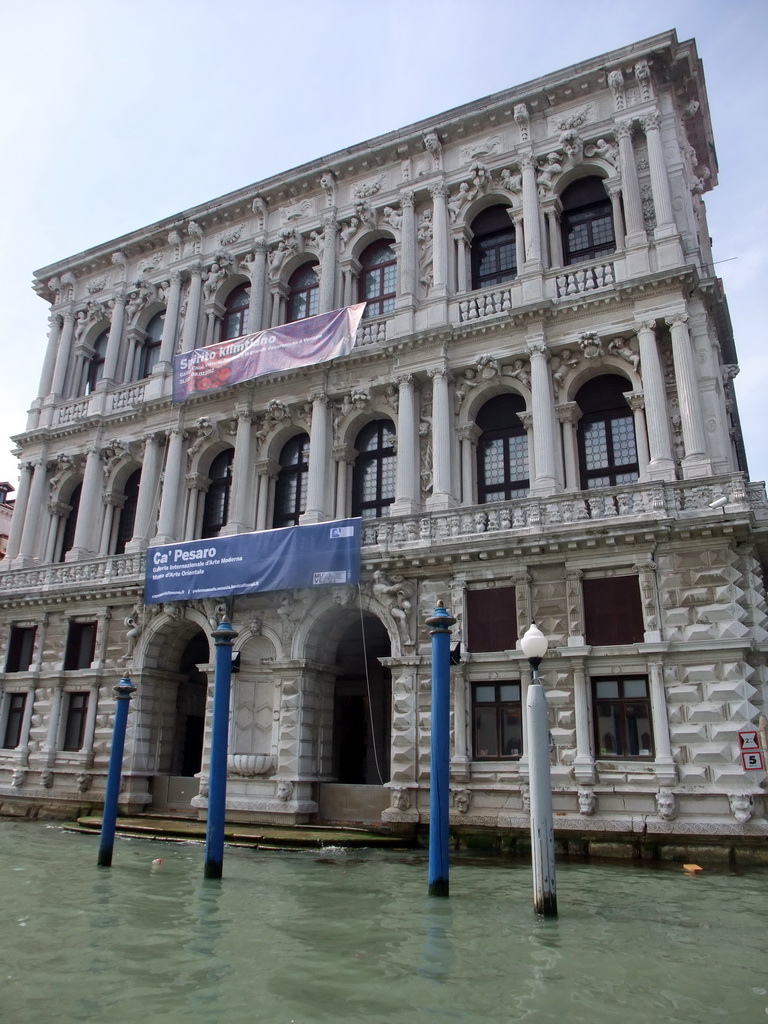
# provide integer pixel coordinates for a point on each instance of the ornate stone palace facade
(537, 422)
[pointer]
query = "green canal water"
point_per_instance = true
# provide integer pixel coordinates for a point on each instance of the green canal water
(340, 937)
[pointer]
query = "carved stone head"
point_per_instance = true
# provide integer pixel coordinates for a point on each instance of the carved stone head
(742, 806)
(587, 801)
(401, 800)
(462, 798)
(284, 790)
(666, 805)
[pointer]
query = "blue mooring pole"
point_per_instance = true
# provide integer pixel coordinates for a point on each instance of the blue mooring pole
(123, 692)
(223, 638)
(439, 765)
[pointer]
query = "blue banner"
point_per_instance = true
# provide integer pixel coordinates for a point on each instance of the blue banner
(317, 555)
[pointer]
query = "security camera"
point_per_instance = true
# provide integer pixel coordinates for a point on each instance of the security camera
(718, 502)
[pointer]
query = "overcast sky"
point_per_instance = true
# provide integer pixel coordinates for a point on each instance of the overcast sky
(117, 113)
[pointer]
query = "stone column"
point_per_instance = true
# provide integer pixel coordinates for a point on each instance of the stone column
(26, 470)
(110, 502)
(87, 529)
(63, 354)
(664, 763)
(555, 238)
(526, 418)
(407, 484)
(407, 248)
(197, 488)
(258, 287)
(442, 432)
(636, 402)
(463, 250)
(115, 339)
(241, 499)
(344, 457)
(149, 487)
(439, 195)
(569, 415)
(279, 295)
(266, 474)
(696, 462)
(649, 594)
(171, 322)
(57, 510)
(89, 733)
(614, 194)
(328, 263)
(530, 212)
(583, 762)
(542, 407)
(662, 464)
(54, 335)
(29, 703)
(461, 721)
(189, 333)
(33, 514)
(517, 219)
(633, 206)
(54, 718)
(574, 601)
(468, 435)
(319, 445)
(174, 463)
(662, 197)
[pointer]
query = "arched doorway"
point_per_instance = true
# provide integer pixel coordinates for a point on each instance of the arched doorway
(190, 708)
(174, 686)
(359, 765)
(362, 703)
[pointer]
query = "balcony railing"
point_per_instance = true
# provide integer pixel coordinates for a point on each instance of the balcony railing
(582, 279)
(522, 518)
(371, 332)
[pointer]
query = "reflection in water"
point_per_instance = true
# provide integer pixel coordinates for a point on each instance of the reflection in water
(352, 938)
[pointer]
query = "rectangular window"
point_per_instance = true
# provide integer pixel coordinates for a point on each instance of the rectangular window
(16, 704)
(613, 612)
(81, 645)
(491, 619)
(497, 721)
(622, 714)
(21, 646)
(74, 730)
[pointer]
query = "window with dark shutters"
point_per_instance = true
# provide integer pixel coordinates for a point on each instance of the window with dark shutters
(491, 620)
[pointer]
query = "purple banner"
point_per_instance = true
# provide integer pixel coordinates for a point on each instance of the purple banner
(302, 343)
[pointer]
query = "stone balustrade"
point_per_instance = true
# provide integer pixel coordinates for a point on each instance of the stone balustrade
(371, 332)
(72, 412)
(584, 278)
(528, 517)
(489, 302)
(128, 397)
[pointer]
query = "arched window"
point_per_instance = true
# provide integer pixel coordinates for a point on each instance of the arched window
(586, 221)
(128, 512)
(378, 279)
(304, 293)
(291, 488)
(494, 249)
(607, 448)
(150, 349)
(235, 322)
(96, 363)
(373, 478)
(216, 510)
(70, 523)
(502, 451)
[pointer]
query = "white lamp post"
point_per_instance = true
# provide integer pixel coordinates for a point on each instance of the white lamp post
(534, 646)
